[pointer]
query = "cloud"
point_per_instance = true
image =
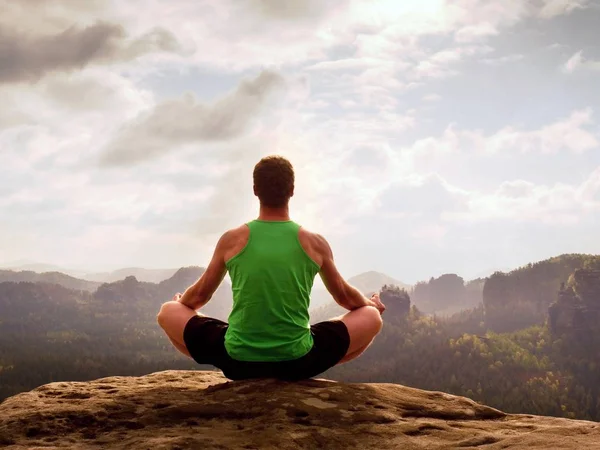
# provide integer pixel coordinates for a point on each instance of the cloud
(553, 8)
(439, 65)
(427, 197)
(472, 33)
(571, 134)
(50, 16)
(346, 64)
(27, 58)
(234, 35)
(568, 134)
(578, 62)
(507, 59)
(523, 201)
(431, 204)
(293, 9)
(173, 123)
(432, 98)
(358, 134)
(65, 119)
(574, 62)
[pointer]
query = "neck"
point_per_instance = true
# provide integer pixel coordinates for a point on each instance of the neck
(274, 214)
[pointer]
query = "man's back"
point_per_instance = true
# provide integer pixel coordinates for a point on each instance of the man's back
(272, 262)
(272, 277)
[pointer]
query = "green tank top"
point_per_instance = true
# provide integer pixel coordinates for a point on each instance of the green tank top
(271, 277)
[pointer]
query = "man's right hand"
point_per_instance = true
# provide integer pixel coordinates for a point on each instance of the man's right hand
(377, 303)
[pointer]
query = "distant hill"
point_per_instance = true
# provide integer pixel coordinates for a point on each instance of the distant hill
(48, 277)
(141, 274)
(520, 298)
(447, 294)
(50, 332)
(31, 266)
(372, 281)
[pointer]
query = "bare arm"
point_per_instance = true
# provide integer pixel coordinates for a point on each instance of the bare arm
(198, 294)
(343, 293)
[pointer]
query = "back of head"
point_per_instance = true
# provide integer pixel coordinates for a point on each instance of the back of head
(274, 181)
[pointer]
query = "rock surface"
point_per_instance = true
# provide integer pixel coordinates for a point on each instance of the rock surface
(195, 409)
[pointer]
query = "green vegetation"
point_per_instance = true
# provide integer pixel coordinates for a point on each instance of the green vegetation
(532, 346)
(447, 294)
(51, 333)
(520, 298)
(523, 372)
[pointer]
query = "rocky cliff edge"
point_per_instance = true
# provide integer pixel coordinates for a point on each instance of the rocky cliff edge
(201, 410)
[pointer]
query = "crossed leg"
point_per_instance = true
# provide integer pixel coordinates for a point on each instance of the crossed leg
(172, 318)
(363, 325)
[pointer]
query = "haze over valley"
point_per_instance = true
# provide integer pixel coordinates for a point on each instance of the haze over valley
(522, 341)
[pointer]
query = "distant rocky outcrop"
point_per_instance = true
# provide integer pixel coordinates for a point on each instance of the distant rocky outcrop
(447, 294)
(195, 409)
(577, 307)
(396, 300)
(521, 298)
(394, 296)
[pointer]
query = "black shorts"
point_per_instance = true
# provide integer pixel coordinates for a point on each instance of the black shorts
(204, 338)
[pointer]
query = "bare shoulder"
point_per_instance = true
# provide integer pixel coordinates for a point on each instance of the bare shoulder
(314, 239)
(234, 240)
(237, 232)
(314, 244)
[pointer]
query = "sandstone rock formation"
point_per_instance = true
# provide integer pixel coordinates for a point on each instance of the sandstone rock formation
(396, 300)
(201, 410)
(578, 304)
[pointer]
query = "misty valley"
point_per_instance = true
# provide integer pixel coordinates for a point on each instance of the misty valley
(524, 341)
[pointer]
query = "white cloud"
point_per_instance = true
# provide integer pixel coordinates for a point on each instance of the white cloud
(507, 59)
(572, 134)
(432, 98)
(433, 205)
(523, 201)
(574, 62)
(568, 134)
(553, 8)
(472, 33)
(578, 62)
(439, 65)
(65, 120)
(348, 129)
(430, 233)
(301, 31)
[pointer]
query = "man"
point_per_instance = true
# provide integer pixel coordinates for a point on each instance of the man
(272, 262)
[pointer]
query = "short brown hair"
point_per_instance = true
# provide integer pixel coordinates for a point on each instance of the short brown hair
(273, 181)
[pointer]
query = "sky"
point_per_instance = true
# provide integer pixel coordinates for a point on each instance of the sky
(428, 137)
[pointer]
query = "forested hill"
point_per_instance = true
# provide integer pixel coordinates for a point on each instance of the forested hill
(50, 333)
(549, 369)
(48, 277)
(141, 274)
(520, 298)
(447, 294)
